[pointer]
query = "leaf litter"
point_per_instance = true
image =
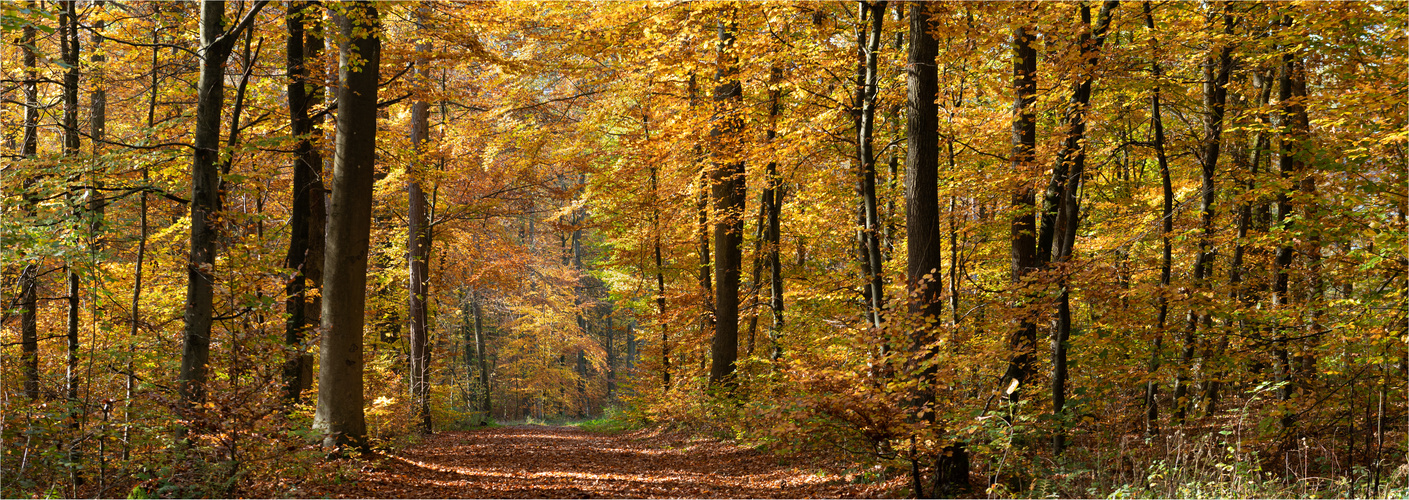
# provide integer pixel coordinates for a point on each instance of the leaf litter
(566, 462)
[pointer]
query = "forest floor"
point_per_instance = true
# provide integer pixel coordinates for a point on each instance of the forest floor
(566, 462)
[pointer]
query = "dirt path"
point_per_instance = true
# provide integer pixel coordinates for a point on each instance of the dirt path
(563, 462)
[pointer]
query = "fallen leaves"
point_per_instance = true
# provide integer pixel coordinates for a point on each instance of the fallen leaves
(564, 462)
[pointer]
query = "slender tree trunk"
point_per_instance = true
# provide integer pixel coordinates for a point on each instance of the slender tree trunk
(773, 197)
(480, 353)
(868, 234)
(1072, 158)
(1216, 70)
(660, 266)
(418, 244)
(1166, 228)
(29, 148)
(304, 45)
(729, 189)
(216, 45)
(69, 49)
(131, 382)
(702, 193)
(339, 416)
(1292, 124)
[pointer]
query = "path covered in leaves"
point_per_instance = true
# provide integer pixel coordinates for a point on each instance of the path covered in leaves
(564, 462)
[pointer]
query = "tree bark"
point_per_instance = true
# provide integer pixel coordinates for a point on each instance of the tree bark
(1293, 125)
(418, 244)
(1022, 342)
(480, 353)
(773, 197)
(728, 190)
(660, 265)
(1166, 229)
(1071, 161)
(216, 45)
(29, 148)
(925, 258)
(305, 43)
(1215, 71)
(868, 234)
(339, 416)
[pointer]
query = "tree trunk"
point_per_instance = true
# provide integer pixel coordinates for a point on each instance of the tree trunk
(1022, 343)
(1215, 71)
(306, 218)
(729, 190)
(29, 148)
(702, 194)
(660, 267)
(69, 49)
(1072, 160)
(868, 234)
(773, 197)
(1292, 125)
(1166, 228)
(924, 255)
(216, 45)
(479, 352)
(339, 416)
(418, 244)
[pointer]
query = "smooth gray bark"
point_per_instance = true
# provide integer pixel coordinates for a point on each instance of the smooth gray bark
(339, 416)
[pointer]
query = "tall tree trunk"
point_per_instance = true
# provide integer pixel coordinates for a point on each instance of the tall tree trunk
(773, 197)
(1022, 342)
(660, 265)
(216, 45)
(479, 352)
(131, 378)
(1293, 126)
(702, 193)
(69, 49)
(305, 43)
(339, 416)
(1216, 70)
(728, 190)
(1166, 229)
(1071, 160)
(29, 148)
(868, 234)
(925, 259)
(418, 243)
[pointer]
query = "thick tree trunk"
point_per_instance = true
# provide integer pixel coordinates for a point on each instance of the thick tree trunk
(339, 416)
(925, 258)
(306, 220)
(728, 190)
(1022, 342)
(418, 246)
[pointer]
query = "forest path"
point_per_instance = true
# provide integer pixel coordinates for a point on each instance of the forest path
(565, 462)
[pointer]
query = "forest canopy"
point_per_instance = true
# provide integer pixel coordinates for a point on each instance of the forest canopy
(998, 248)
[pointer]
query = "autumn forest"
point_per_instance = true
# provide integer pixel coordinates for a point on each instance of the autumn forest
(950, 249)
